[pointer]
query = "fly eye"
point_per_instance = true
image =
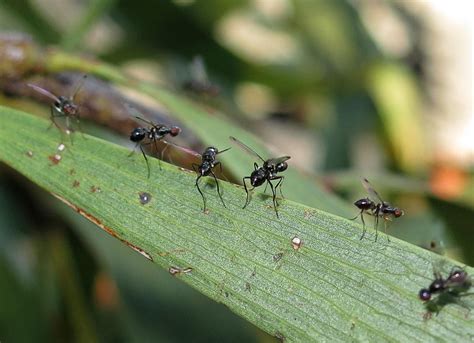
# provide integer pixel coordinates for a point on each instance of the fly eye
(174, 131)
(398, 213)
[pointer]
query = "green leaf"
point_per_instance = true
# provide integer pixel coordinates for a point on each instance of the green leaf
(397, 97)
(336, 287)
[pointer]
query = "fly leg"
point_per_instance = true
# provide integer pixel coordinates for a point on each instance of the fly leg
(280, 184)
(218, 190)
(139, 144)
(51, 117)
(376, 225)
(156, 149)
(146, 161)
(385, 227)
(246, 191)
(274, 197)
(200, 192)
(79, 126)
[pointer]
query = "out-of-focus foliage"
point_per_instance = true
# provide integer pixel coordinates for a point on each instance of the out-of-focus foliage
(338, 85)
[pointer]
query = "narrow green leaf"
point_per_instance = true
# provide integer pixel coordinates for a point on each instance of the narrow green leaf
(336, 287)
(397, 97)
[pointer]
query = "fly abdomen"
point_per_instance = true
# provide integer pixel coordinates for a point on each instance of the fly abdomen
(365, 204)
(138, 134)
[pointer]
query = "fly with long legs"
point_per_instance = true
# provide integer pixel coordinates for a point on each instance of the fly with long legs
(266, 173)
(206, 168)
(151, 134)
(208, 162)
(443, 291)
(373, 205)
(63, 106)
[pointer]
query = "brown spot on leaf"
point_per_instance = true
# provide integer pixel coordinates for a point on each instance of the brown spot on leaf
(177, 270)
(55, 159)
(72, 171)
(137, 249)
(95, 189)
(76, 184)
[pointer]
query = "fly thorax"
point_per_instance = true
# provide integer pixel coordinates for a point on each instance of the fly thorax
(205, 168)
(68, 107)
(163, 130)
(436, 286)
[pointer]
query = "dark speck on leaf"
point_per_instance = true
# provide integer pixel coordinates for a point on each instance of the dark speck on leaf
(277, 257)
(144, 197)
(95, 189)
(76, 183)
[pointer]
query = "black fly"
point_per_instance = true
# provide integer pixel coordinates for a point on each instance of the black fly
(208, 162)
(267, 172)
(152, 133)
(455, 285)
(457, 281)
(63, 106)
(375, 206)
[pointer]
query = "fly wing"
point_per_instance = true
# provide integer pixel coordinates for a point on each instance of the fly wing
(275, 161)
(133, 111)
(245, 147)
(79, 85)
(371, 191)
(43, 91)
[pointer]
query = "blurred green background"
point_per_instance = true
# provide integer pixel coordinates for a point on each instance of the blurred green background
(347, 88)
